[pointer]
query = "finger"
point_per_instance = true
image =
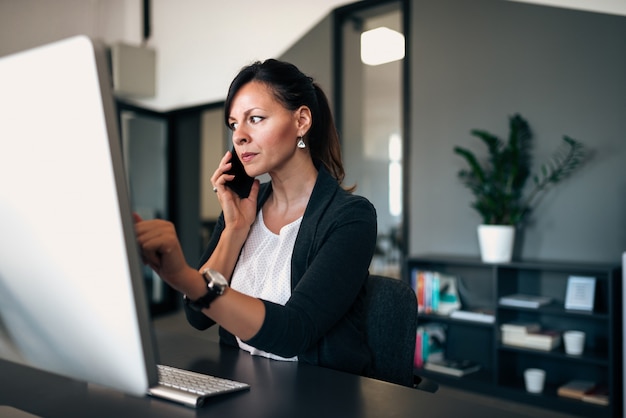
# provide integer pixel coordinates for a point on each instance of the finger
(224, 165)
(152, 260)
(148, 255)
(254, 191)
(137, 218)
(227, 157)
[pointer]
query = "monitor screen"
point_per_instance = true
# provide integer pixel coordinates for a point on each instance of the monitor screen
(71, 292)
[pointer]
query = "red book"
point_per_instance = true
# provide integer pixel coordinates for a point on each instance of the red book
(420, 291)
(417, 359)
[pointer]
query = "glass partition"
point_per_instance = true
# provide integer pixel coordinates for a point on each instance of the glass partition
(370, 118)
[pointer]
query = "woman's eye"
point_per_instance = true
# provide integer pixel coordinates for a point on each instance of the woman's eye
(252, 120)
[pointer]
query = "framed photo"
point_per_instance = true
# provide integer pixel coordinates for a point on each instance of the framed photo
(580, 293)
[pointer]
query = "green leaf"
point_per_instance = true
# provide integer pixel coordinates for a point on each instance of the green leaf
(498, 182)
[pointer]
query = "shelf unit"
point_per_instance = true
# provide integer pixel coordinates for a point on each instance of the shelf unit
(481, 285)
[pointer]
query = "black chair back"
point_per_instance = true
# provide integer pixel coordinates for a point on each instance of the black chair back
(391, 318)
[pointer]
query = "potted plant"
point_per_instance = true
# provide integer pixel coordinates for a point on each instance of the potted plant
(499, 182)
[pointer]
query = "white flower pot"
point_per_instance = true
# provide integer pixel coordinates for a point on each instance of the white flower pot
(496, 243)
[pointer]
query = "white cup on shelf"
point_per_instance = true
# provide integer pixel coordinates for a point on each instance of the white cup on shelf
(574, 342)
(534, 379)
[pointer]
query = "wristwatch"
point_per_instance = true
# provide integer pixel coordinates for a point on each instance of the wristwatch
(216, 284)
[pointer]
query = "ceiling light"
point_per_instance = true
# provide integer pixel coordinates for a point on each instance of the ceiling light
(381, 45)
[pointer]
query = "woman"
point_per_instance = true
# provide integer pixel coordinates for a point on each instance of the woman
(296, 251)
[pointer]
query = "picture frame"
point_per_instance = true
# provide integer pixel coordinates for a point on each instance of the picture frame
(580, 293)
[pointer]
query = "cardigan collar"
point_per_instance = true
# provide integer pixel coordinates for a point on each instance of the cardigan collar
(324, 190)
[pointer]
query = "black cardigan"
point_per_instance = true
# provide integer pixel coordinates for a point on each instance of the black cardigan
(323, 322)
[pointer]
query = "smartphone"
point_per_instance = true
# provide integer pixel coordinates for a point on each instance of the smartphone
(242, 183)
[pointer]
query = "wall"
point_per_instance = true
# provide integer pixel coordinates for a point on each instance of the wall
(312, 54)
(565, 72)
(28, 23)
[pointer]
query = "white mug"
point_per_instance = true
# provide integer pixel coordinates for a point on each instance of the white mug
(534, 379)
(574, 342)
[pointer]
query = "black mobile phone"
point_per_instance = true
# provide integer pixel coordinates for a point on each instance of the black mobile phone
(242, 183)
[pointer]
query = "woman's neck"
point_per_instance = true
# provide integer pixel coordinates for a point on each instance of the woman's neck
(290, 196)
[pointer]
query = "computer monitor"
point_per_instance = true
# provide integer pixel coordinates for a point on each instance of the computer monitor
(71, 288)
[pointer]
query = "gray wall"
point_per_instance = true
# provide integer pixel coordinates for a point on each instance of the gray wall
(312, 54)
(476, 62)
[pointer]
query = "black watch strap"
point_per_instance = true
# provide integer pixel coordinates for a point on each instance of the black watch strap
(214, 290)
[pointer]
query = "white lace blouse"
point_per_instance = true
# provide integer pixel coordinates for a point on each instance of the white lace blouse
(264, 269)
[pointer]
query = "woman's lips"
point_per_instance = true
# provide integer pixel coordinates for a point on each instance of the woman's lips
(247, 157)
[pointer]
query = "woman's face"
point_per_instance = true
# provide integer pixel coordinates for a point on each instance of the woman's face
(265, 133)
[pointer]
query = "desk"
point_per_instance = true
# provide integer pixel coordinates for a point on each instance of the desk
(278, 389)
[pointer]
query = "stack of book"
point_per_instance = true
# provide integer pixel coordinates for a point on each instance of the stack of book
(586, 391)
(529, 335)
(476, 315)
(521, 300)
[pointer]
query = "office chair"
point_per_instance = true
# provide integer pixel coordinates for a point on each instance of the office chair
(391, 324)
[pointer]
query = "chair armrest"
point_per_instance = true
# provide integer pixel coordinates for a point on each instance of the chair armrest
(425, 384)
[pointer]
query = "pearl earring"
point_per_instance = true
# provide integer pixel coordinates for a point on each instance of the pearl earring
(301, 143)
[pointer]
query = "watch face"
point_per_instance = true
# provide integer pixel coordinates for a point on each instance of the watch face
(214, 277)
(216, 284)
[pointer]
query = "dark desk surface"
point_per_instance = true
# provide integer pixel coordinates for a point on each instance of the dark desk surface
(278, 389)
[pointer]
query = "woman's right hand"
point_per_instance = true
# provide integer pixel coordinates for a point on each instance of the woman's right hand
(161, 250)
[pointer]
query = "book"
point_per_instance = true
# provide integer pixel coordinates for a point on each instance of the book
(598, 395)
(436, 293)
(429, 343)
(478, 315)
(452, 367)
(520, 327)
(436, 342)
(576, 389)
(524, 301)
(448, 298)
(540, 340)
(418, 360)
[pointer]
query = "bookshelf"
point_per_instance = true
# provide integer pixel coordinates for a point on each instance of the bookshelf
(480, 286)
